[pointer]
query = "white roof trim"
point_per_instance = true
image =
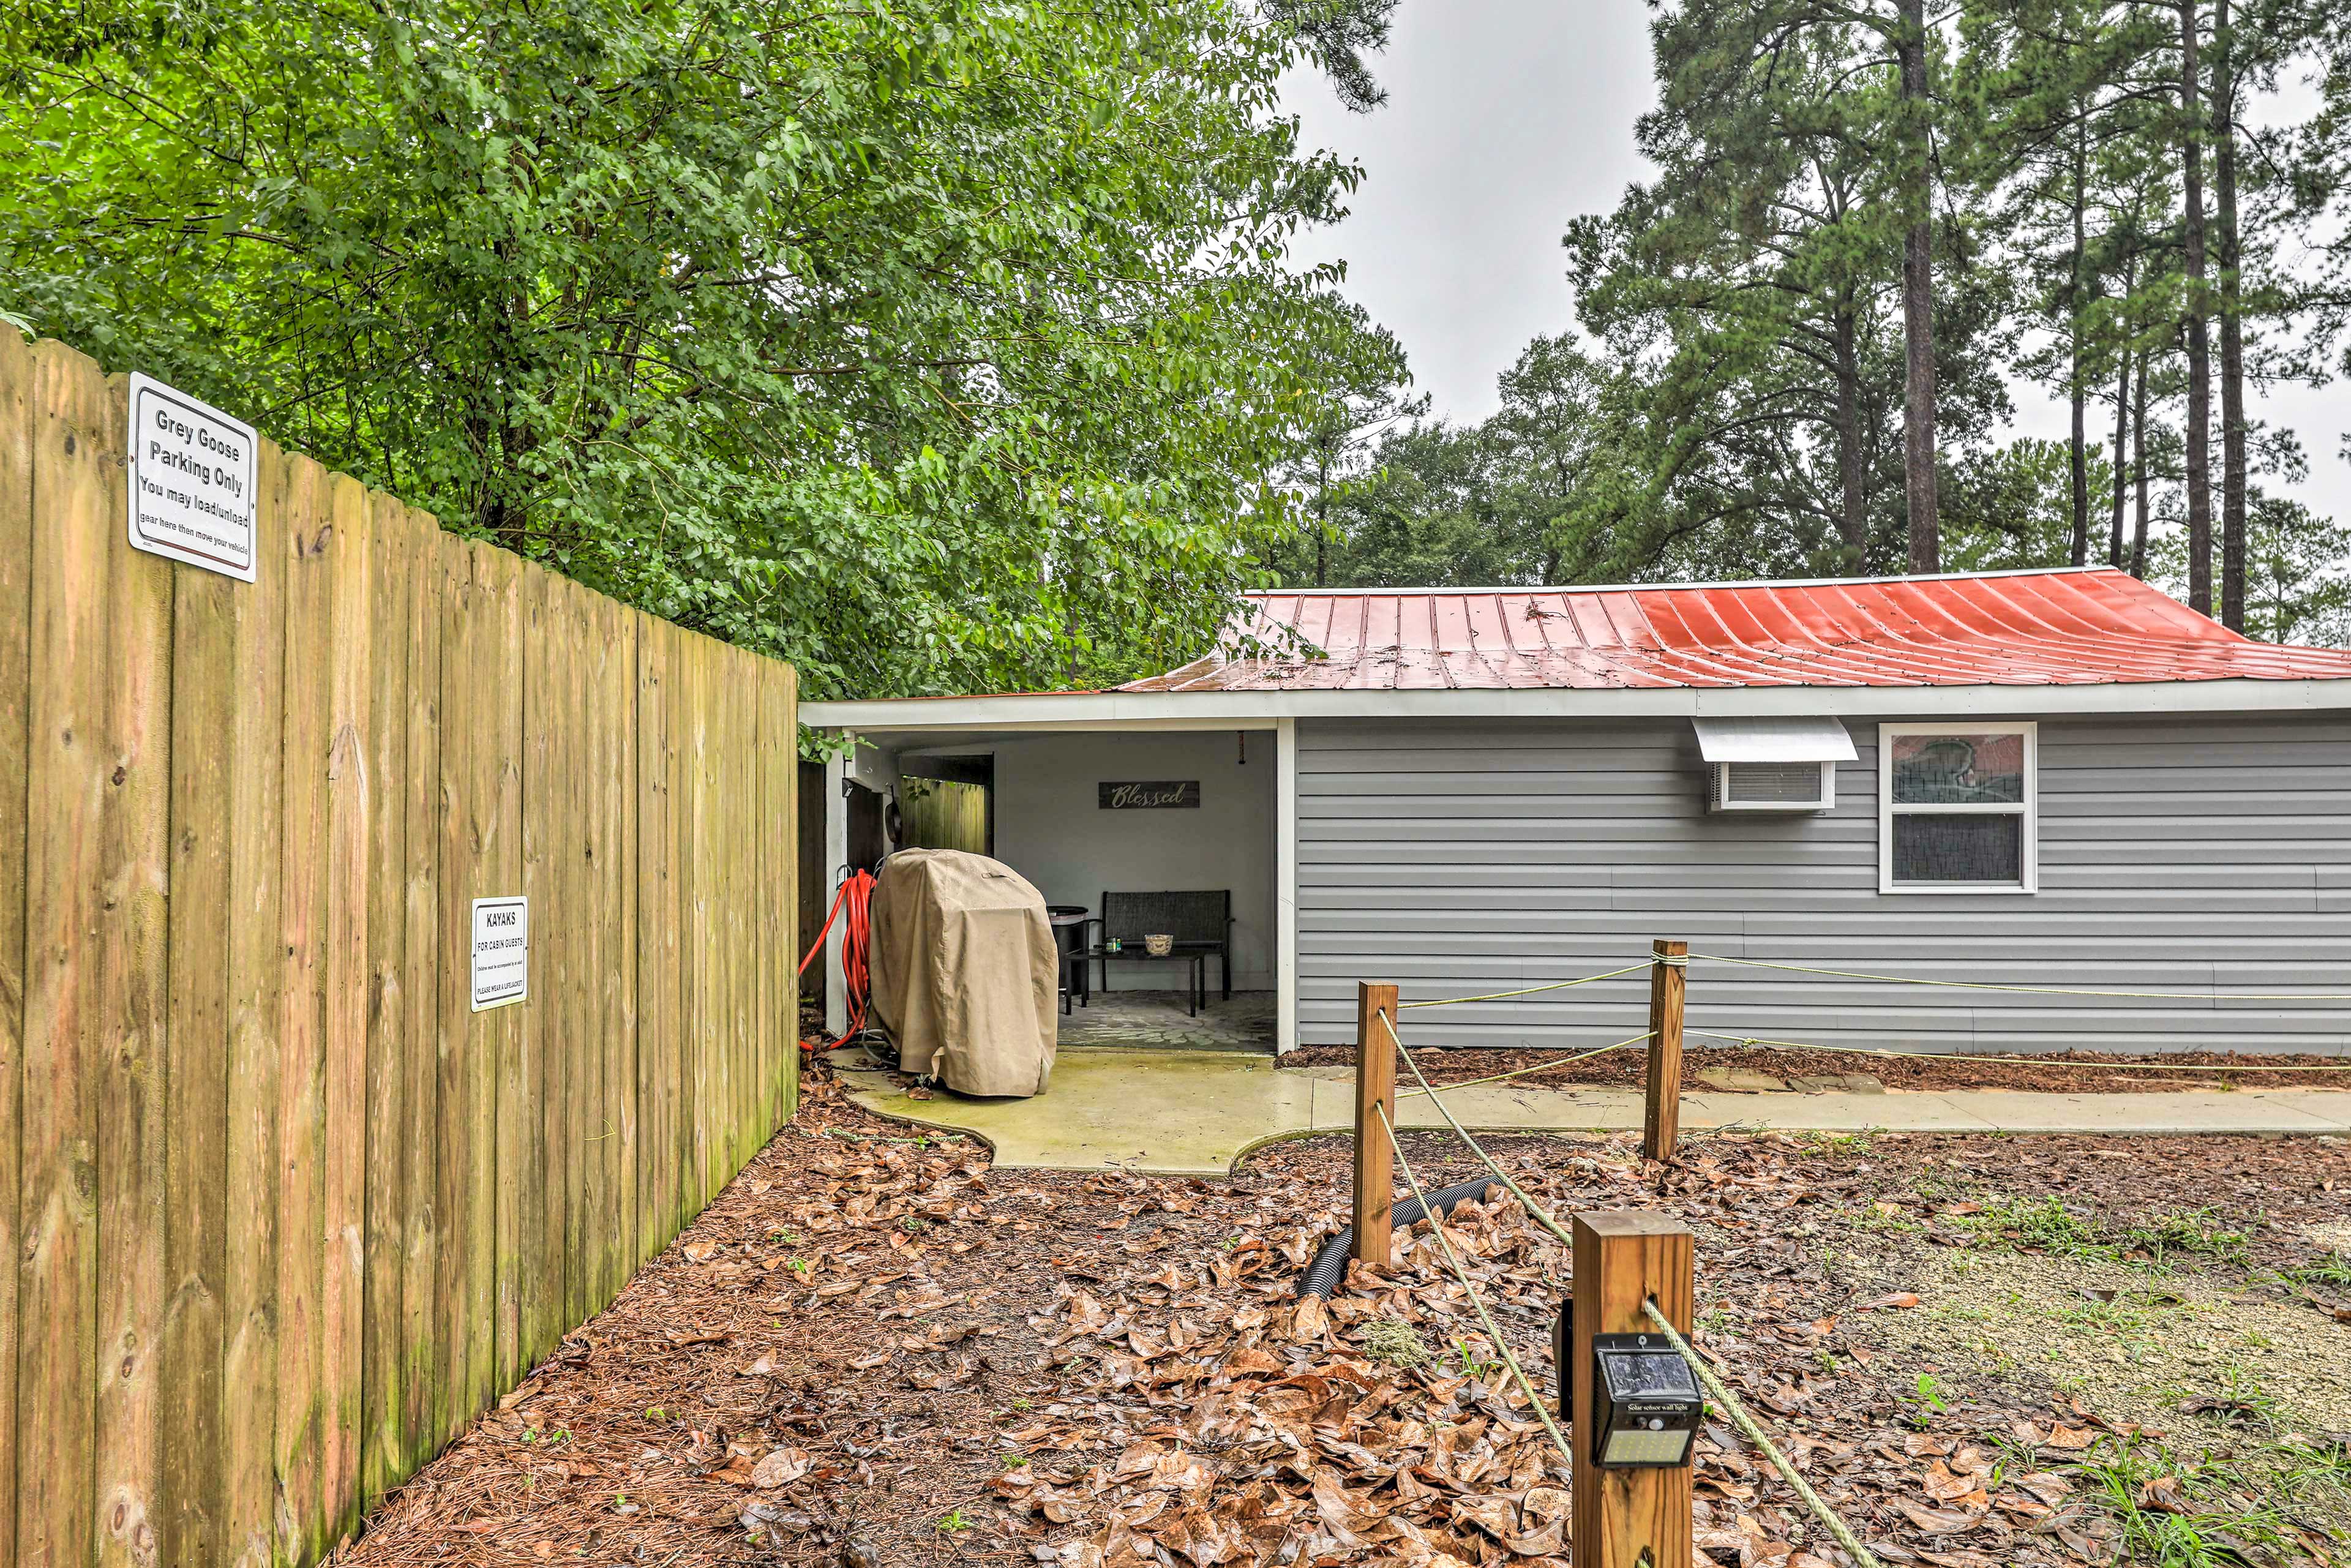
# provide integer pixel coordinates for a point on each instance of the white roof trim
(1773, 738)
(1574, 588)
(1259, 710)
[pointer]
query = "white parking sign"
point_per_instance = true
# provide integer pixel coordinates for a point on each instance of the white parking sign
(192, 480)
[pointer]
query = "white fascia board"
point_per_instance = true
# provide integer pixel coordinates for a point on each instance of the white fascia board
(1263, 710)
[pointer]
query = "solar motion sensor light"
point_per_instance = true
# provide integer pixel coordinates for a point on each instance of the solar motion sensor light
(1647, 1404)
(1648, 1400)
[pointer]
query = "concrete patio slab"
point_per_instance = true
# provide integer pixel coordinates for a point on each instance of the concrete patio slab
(1180, 1112)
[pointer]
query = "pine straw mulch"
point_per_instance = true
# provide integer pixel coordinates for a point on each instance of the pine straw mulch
(2077, 1073)
(876, 1350)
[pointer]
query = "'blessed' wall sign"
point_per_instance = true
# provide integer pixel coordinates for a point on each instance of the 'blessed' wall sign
(1157, 795)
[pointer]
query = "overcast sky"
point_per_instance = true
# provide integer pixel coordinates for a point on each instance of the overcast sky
(1505, 119)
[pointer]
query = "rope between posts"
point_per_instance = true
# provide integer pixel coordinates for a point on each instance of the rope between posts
(1753, 1431)
(1501, 1345)
(1761, 1043)
(1519, 1072)
(1747, 1424)
(2036, 990)
(1529, 991)
(1515, 1191)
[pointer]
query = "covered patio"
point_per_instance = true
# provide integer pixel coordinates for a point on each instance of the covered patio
(1126, 832)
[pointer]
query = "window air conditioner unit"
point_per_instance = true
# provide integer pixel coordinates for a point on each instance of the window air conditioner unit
(1779, 762)
(1772, 787)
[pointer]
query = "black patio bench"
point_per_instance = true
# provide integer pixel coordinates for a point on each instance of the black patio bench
(1200, 921)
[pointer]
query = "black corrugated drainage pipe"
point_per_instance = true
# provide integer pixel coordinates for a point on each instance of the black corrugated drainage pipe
(1329, 1265)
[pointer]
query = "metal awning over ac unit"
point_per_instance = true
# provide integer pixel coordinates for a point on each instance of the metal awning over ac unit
(1774, 739)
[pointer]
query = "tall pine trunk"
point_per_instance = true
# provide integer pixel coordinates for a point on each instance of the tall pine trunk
(2122, 471)
(1918, 299)
(1322, 520)
(1853, 518)
(2138, 470)
(2200, 345)
(2078, 452)
(2232, 337)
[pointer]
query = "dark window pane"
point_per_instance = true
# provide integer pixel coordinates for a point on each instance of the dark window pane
(1959, 770)
(1933, 848)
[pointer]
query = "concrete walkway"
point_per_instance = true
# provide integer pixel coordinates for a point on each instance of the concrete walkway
(1175, 1112)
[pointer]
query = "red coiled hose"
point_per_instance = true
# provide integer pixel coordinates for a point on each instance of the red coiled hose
(853, 904)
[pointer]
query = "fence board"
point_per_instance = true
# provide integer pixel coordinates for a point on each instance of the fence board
(342, 1292)
(206, 632)
(302, 1041)
(383, 1454)
(656, 950)
(248, 1396)
(285, 1213)
(617, 822)
(133, 1024)
(57, 1278)
(16, 429)
(424, 1369)
(461, 1308)
(511, 1162)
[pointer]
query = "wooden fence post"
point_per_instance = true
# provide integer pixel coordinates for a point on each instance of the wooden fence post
(1624, 1518)
(1661, 1127)
(1375, 1055)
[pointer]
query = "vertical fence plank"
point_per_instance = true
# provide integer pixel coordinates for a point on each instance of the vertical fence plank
(509, 1111)
(727, 696)
(461, 1194)
(384, 1452)
(18, 427)
(658, 986)
(248, 1385)
(522, 1148)
(424, 1365)
(698, 878)
(58, 1280)
(595, 1190)
(785, 876)
(770, 1044)
(302, 1085)
(342, 1291)
(575, 1063)
(618, 968)
(206, 631)
(135, 1001)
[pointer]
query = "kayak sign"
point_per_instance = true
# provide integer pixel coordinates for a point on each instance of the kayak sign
(192, 480)
(501, 952)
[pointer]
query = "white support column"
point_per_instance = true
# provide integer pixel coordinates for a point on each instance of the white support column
(1285, 885)
(836, 855)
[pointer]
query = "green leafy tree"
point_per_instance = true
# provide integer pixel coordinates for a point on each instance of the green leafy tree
(934, 344)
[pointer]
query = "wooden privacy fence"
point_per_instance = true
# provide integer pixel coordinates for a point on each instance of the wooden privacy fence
(286, 1213)
(941, 814)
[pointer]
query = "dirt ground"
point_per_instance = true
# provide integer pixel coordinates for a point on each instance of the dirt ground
(2082, 1073)
(876, 1350)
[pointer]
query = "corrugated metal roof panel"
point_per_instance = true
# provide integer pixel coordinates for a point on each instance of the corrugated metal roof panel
(2068, 627)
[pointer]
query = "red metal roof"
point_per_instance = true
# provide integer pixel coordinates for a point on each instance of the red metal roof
(2069, 627)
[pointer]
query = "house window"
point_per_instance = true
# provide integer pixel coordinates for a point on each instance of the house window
(1958, 807)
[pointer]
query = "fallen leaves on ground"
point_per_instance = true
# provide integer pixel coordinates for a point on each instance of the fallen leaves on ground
(876, 1349)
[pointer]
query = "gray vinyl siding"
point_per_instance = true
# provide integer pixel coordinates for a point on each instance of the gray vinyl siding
(2175, 854)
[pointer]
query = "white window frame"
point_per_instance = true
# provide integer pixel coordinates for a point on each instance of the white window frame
(2029, 850)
